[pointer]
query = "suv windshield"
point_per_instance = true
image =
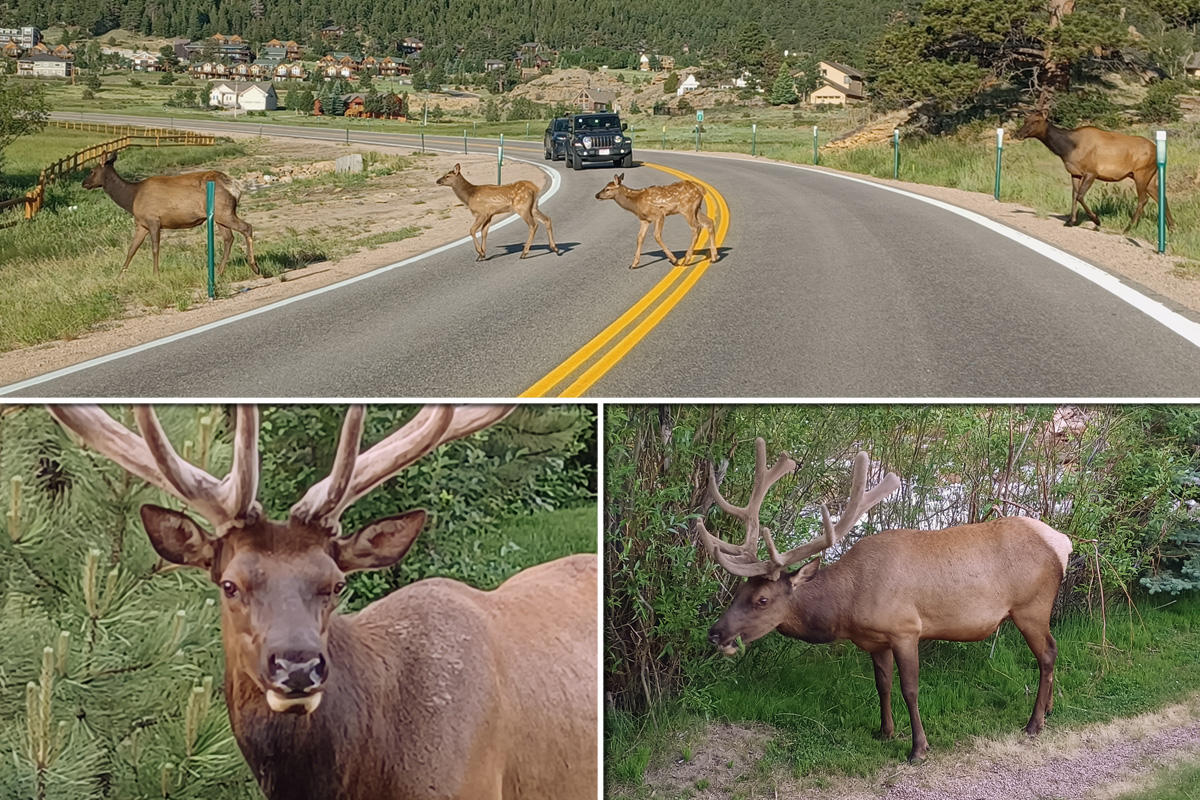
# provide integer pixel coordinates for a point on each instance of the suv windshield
(560, 125)
(606, 122)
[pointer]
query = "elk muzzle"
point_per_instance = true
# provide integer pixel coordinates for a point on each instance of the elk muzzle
(295, 680)
(721, 640)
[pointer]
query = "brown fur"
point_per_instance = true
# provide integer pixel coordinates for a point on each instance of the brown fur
(654, 204)
(894, 589)
(485, 202)
(171, 202)
(1091, 154)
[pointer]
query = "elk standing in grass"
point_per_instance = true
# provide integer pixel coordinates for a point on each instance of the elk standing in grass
(435, 691)
(485, 202)
(655, 204)
(1091, 154)
(170, 202)
(893, 589)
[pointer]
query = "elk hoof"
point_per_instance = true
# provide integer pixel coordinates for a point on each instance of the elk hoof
(1032, 730)
(885, 735)
(634, 265)
(916, 758)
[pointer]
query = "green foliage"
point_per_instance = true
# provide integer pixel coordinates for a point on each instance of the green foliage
(1084, 107)
(1161, 103)
(92, 81)
(491, 111)
(523, 108)
(23, 111)
(671, 83)
(783, 91)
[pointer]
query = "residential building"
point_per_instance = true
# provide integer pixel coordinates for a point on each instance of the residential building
(10, 49)
(688, 84)
(332, 31)
(227, 48)
(491, 64)
(390, 67)
(840, 85)
(145, 61)
(44, 65)
(291, 71)
(26, 37)
(589, 100)
(410, 45)
(245, 95)
(62, 51)
(1192, 67)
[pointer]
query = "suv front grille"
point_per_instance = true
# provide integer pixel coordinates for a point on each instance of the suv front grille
(602, 139)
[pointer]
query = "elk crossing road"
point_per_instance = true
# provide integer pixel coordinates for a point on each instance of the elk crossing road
(826, 286)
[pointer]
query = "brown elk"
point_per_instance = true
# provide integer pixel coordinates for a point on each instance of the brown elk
(485, 202)
(172, 202)
(1091, 154)
(893, 589)
(436, 691)
(655, 204)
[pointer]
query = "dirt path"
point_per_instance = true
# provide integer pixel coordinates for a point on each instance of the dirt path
(1095, 762)
(426, 205)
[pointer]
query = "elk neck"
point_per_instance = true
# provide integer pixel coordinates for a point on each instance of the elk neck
(463, 189)
(120, 190)
(819, 608)
(1059, 140)
(627, 198)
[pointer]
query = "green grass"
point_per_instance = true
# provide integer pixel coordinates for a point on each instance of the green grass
(25, 158)
(1180, 782)
(550, 534)
(821, 700)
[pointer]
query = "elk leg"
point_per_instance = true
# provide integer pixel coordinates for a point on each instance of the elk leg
(1084, 185)
(139, 236)
(227, 237)
(711, 227)
(487, 223)
(532, 223)
(910, 670)
(475, 227)
(883, 662)
(545, 220)
(247, 232)
(1045, 650)
(1074, 200)
(155, 234)
(658, 226)
(637, 254)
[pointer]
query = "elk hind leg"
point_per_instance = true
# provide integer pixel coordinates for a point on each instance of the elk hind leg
(139, 236)
(1035, 627)
(883, 662)
(247, 232)
(545, 220)
(910, 671)
(227, 238)
(155, 236)
(658, 226)
(527, 215)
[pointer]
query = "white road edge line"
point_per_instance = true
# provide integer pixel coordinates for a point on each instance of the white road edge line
(555, 185)
(1172, 320)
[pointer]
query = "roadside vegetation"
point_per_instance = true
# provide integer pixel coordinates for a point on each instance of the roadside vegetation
(1118, 480)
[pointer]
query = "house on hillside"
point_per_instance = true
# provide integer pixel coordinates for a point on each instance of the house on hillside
(1192, 67)
(389, 67)
(62, 51)
(492, 64)
(26, 37)
(589, 100)
(145, 61)
(293, 71)
(245, 95)
(228, 48)
(840, 85)
(410, 45)
(44, 65)
(688, 84)
(10, 50)
(332, 31)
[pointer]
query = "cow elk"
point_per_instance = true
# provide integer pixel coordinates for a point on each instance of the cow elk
(172, 202)
(654, 204)
(485, 202)
(435, 691)
(893, 589)
(1091, 154)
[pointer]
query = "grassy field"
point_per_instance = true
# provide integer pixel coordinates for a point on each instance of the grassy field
(61, 268)
(1180, 782)
(821, 704)
(25, 158)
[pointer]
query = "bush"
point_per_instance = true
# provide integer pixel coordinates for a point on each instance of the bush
(88, 94)
(166, 79)
(1084, 107)
(1161, 103)
(136, 83)
(671, 83)
(523, 108)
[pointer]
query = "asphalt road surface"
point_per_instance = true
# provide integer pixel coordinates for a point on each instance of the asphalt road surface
(826, 288)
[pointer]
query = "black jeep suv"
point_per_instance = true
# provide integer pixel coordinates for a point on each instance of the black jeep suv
(599, 136)
(555, 141)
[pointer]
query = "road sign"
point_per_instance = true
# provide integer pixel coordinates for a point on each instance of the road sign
(699, 116)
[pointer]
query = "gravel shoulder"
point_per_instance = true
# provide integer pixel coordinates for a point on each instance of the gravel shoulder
(433, 208)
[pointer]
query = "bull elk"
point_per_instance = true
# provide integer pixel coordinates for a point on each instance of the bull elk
(173, 202)
(893, 589)
(485, 202)
(654, 204)
(1091, 154)
(434, 691)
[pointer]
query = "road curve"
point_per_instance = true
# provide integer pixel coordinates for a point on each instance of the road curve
(826, 288)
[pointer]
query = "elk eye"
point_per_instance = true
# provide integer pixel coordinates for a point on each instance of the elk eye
(762, 601)
(338, 587)
(229, 587)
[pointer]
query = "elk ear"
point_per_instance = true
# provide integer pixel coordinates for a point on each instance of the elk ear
(805, 573)
(620, 178)
(111, 158)
(457, 169)
(380, 544)
(177, 538)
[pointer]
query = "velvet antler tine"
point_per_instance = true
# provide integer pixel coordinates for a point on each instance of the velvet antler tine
(241, 484)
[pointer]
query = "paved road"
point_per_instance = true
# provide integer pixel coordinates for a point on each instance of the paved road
(826, 288)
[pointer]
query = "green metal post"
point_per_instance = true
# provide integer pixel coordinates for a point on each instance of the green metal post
(896, 154)
(500, 161)
(422, 141)
(464, 141)
(697, 137)
(1161, 142)
(210, 194)
(816, 153)
(754, 138)
(999, 158)
(664, 147)
(347, 136)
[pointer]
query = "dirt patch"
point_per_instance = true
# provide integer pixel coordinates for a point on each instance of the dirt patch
(408, 198)
(1096, 762)
(1172, 278)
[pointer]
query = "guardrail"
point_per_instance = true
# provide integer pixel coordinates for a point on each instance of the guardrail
(130, 136)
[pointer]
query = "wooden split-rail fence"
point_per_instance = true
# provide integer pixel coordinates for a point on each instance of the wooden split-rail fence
(128, 136)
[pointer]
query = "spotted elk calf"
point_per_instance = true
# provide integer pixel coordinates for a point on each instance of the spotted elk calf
(654, 204)
(893, 589)
(434, 691)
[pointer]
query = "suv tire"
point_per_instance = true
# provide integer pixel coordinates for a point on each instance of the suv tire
(627, 161)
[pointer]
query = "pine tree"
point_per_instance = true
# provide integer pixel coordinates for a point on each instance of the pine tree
(783, 92)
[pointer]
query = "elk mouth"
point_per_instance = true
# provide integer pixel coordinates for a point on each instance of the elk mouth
(731, 646)
(293, 702)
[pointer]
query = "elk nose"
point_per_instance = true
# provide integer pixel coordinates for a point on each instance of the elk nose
(714, 635)
(297, 672)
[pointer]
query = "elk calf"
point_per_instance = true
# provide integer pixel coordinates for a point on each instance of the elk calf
(171, 202)
(655, 204)
(485, 202)
(893, 589)
(1091, 154)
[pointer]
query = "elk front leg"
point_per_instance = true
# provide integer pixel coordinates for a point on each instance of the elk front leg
(487, 223)
(139, 236)
(1084, 185)
(641, 237)
(155, 236)
(1037, 635)
(909, 666)
(532, 223)
(545, 220)
(658, 226)
(475, 228)
(711, 227)
(227, 237)
(883, 662)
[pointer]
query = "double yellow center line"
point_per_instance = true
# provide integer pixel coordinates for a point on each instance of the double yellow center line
(590, 362)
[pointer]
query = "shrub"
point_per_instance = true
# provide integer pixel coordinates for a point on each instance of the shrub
(167, 78)
(1161, 103)
(1084, 107)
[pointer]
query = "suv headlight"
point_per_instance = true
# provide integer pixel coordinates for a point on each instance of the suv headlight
(618, 140)
(587, 142)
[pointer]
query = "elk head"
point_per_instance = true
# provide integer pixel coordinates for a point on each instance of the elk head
(450, 177)
(279, 581)
(765, 600)
(1035, 125)
(612, 188)
(95, 178)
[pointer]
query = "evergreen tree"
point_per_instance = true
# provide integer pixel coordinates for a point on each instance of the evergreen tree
(671, 83)
(783, 92)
